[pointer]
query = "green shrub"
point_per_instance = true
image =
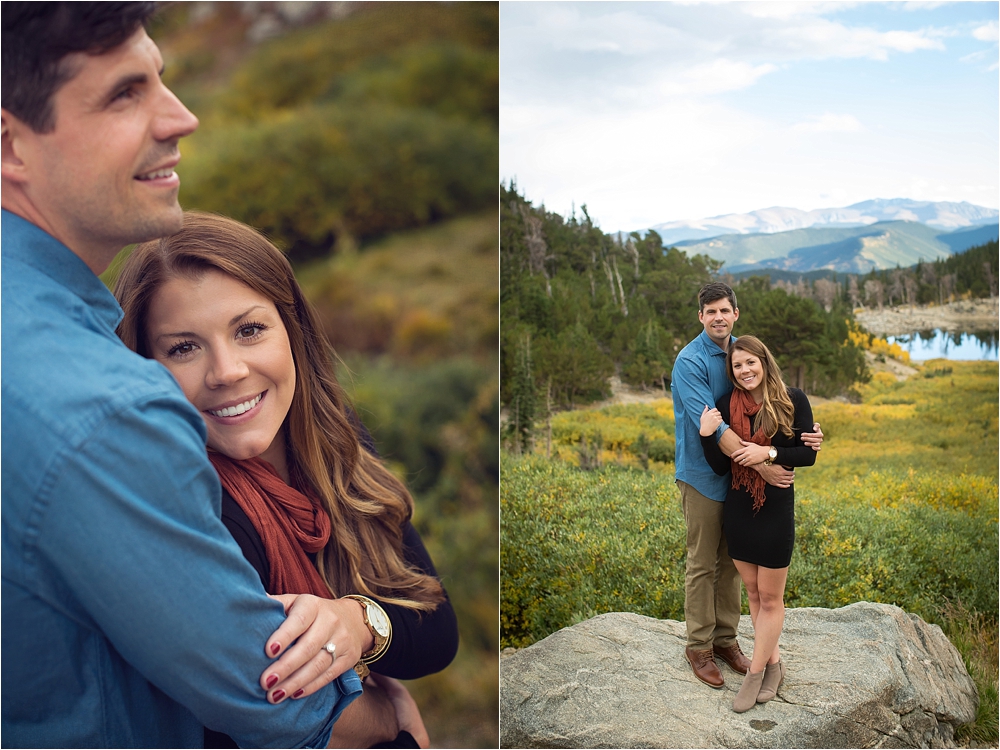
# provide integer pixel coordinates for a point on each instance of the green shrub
(886, 539)
(401, 42)
(320, 174)
(572, 545)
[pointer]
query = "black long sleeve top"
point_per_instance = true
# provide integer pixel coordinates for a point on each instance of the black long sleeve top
(422, 643)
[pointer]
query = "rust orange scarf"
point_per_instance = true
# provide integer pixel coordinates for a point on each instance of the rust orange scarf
(290, 523)
(741, 408)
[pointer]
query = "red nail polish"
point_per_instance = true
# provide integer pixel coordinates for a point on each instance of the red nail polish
(277, 695)
(275, 648)
(271, 681)
(298, 693)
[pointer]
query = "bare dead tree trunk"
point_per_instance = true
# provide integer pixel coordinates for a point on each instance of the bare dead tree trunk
(537, 250)
(621, 292)
(910, 287)
(611, 279)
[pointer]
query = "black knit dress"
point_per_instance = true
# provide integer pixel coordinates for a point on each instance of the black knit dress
(766, 537)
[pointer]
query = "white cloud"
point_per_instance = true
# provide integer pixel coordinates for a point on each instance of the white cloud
(784, 11)
(624, 32)
(987, 33)
(914, 5)
(981, 56)
(713, 78)
(829, 123)
(819, 38)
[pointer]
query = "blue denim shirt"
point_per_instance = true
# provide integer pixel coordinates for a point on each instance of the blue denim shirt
(129, 616)
(698, 379)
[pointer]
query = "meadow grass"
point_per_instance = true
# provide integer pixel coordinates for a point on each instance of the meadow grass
(900, 508)
(944, 418)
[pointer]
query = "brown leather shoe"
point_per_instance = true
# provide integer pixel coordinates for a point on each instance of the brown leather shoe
(704, 666)
(733, 657)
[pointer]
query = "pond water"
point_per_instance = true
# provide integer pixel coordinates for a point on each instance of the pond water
(923, 345)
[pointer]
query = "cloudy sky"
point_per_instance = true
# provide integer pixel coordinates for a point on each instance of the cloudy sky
(656, 111)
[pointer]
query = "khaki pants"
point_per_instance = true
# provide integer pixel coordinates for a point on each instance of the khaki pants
(711, 581)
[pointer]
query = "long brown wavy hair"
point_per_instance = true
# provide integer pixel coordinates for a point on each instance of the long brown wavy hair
(777, 411)
(367, 505)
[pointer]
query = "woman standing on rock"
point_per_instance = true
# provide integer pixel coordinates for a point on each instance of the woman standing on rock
(759, 518)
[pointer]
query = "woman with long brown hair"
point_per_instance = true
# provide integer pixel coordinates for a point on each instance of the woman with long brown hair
(304, 492)
(759, 518)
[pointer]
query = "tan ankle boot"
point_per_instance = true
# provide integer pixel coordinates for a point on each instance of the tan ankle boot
(774, 675)
(747, 697)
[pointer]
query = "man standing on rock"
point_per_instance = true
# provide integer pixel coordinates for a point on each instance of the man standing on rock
(711, 582)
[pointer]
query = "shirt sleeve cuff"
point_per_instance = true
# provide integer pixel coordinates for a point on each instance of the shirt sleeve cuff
(349, 688)
(721, 429)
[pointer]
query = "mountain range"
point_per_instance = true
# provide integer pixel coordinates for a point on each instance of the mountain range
(853, 239)
(885, 244)
(941, 214)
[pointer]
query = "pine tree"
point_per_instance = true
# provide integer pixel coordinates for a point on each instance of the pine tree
(522, 405)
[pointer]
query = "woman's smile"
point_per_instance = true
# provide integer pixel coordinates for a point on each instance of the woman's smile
(229, 413)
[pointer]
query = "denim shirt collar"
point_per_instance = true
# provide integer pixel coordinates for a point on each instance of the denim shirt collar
(24, 242)
(711, 348)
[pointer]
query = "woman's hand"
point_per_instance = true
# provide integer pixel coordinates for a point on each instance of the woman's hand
(407, 712)
(710, 421)
(307, 666)
(750, 453)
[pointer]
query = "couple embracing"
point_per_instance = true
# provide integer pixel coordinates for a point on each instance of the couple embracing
(740, 433)
(176, 452)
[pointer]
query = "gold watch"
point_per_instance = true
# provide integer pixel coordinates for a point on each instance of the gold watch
(378, 625)
(772, 456)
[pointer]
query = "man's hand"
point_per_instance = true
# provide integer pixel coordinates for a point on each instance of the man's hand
(813, 439)
(370, 719)
(775, 475)
(407, 712)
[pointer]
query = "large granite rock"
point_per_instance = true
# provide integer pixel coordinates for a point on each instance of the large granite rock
(866, 675)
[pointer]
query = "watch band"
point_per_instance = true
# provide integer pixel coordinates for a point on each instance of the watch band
(378, 624)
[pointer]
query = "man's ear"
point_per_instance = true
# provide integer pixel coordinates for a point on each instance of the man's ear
(736, 314)
(12, 167)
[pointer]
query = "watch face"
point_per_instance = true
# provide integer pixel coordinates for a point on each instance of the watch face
(379, 621)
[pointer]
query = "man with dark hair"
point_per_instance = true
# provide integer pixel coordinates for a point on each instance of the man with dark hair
(130, 617)
(711, 581)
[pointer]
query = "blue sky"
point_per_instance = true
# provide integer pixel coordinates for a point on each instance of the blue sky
(658, 111)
